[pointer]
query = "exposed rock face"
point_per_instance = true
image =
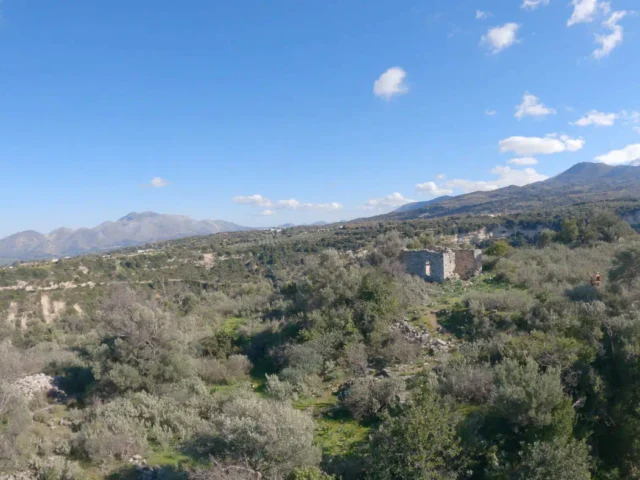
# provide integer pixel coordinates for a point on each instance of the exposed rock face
(420, 336)
(411, 333)
(18, 476)
(438, 266)
(51, 310)
(28, 387)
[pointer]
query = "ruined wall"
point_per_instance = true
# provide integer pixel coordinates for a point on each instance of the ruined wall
(467, 263)
(442, 265)
(415, 262)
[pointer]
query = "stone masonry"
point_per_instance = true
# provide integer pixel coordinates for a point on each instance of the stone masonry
(437, 266)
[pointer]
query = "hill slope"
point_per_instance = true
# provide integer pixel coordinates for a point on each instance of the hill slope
(584, 182)
(132, 229)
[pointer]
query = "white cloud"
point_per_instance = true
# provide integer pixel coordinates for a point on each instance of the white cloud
(612, 40)
(264, 202)
(440, 176)
(256, 200)
(532, 107)
(636, 129)
(597, 118)
(499, 38)
(390, 83)
(523, 161)
(491, 113)
(628, 154)
(506, 176)
(158, 182)
(533, 4)
(267, 212)
(431, 188)
(529, 146)
(480, 15)
(585, 10)
(394, 200)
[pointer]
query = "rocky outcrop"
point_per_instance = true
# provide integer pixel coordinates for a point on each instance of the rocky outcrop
(28, 387)
(18, 476)
(420, 336)
(411, 333)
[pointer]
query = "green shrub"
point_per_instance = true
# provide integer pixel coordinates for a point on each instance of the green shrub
(420, 443)
(309, 473)
(127, 425)
(271, 437)
(559, 458)
(56, 469)
(278, 389)
(367, 397)
(532, 403)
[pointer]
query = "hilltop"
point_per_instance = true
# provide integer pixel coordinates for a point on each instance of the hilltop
(130, 230)
(583, 183)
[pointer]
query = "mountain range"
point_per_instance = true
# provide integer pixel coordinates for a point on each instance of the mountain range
(583, 183)
(130, 230)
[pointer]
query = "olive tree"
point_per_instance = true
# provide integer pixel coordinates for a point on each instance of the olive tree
(269, 436)
(418, 444)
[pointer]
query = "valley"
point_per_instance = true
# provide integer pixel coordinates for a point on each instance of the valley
(144, 363)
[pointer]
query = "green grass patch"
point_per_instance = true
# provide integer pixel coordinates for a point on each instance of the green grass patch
(232, 325)
(340, 437)
(169, 456)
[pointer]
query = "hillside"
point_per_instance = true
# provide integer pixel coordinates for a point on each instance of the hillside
(314, 345)
(132, 229)
(584, 182)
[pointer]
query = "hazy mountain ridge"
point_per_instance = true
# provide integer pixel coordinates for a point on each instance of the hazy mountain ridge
(132, 229)
(584, 182)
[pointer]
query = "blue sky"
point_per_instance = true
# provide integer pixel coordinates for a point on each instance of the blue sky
(264, 113)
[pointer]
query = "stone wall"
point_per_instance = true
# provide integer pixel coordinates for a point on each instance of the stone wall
(416, 261)
(467, 263)
(436, 266)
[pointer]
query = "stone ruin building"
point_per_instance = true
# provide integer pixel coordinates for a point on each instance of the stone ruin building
(438, 266)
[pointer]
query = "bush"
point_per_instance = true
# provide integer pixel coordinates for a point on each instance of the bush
(468, 383)
(212, 370)
(125, 426)
(419, 444)
(278, 389)
(555, 269)
(368, 396)
(116, 439)
(357, 359)
(270, 436)
(15, 419)
(238, 367)
(499, 249)
(309, 473)
(396, 349)
(56, 469)
(142, 347)
(530, 401)
(233, 369)
(559, 458)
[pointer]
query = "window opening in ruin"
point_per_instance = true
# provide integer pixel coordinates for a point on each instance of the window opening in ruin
(427, 269)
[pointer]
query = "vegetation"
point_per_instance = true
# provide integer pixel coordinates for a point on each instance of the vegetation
(309, 354)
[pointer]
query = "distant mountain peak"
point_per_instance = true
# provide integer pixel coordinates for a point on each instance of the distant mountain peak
(139, 216)
(584, 182)
(132, 229)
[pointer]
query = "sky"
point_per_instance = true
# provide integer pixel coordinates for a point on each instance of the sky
(264, 113)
